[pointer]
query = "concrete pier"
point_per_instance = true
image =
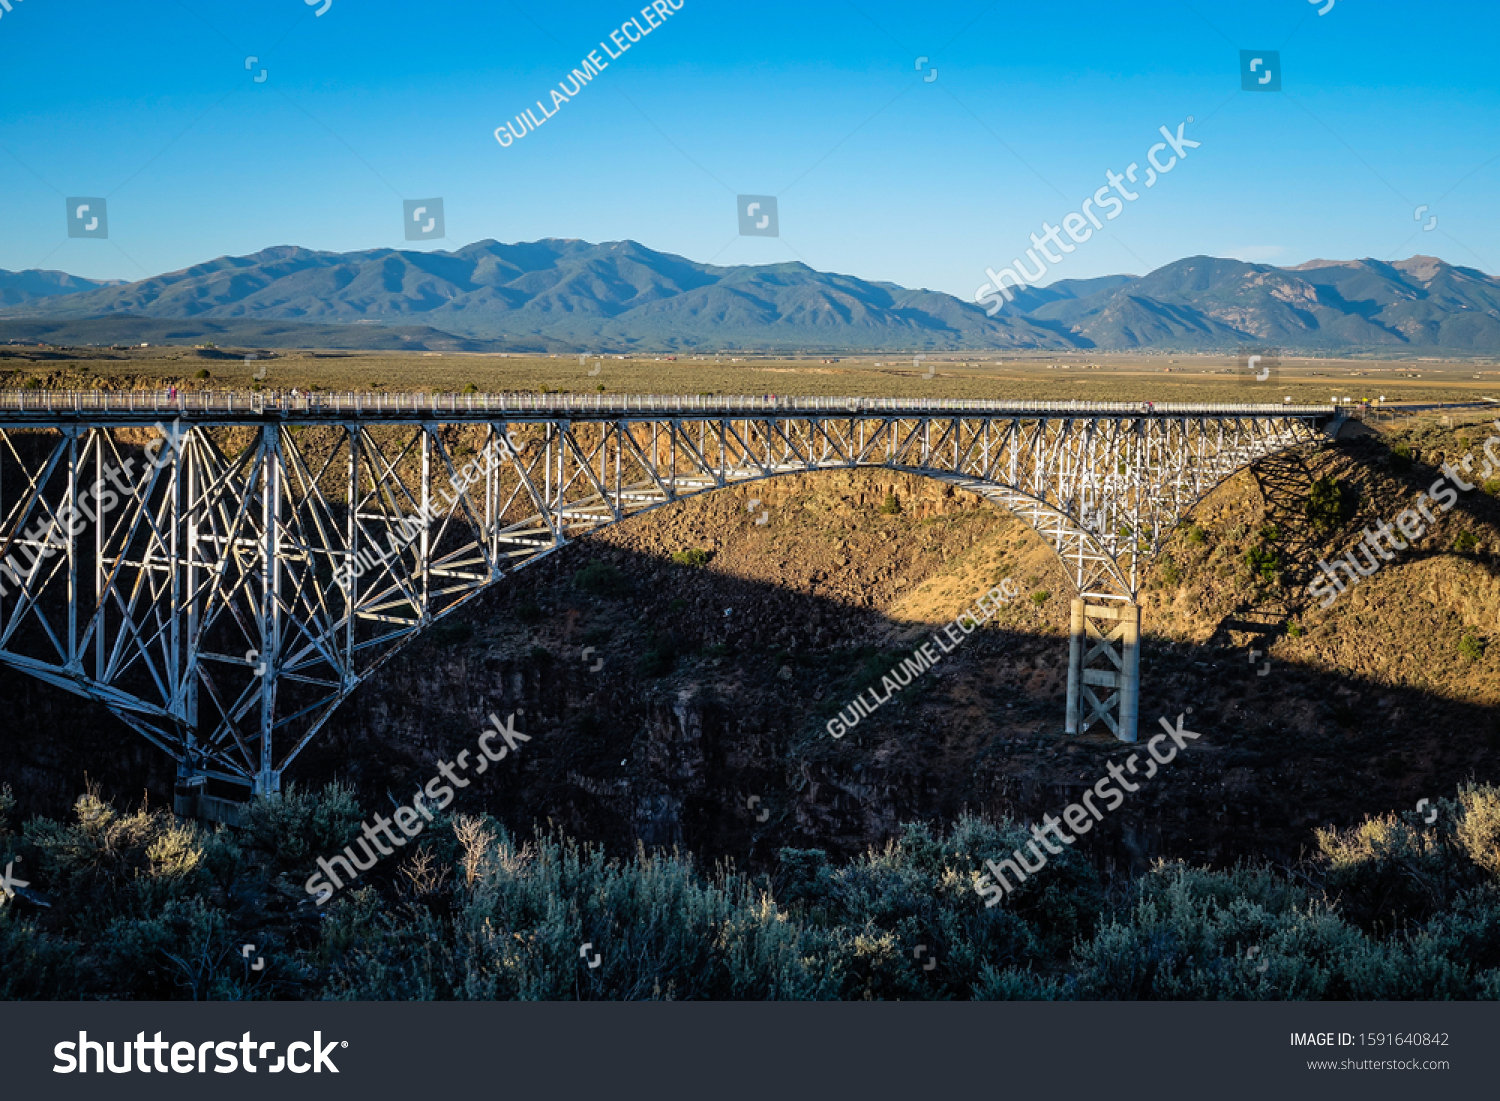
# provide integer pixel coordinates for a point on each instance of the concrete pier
(1118, 649)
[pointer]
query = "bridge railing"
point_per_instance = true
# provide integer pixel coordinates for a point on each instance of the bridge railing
(238, 403)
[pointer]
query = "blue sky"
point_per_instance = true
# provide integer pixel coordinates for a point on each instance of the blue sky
(1386, 105)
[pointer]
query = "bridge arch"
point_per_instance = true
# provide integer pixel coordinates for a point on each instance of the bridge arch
(225, 601)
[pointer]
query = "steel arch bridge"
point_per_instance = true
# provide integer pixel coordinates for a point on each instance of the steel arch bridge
(222, 570)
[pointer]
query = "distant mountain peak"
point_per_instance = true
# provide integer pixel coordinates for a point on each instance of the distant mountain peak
(1421, 267)
(1313, 265)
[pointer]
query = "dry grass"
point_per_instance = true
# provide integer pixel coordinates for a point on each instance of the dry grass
(1028, 377)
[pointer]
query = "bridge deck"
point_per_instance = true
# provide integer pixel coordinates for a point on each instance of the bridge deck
(216, 406)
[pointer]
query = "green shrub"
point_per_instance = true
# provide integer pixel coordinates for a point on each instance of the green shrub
(1330, 505)
(862, 919)
(1492, 487)
(1181, 944)
(297, 828)
(1040, 597)
(470, 389)
(1465, 541)
(1195, 535)
(1401, 458)
(1470, 930)
(1393, 870)
(656, 662)
(1296, 630)
(1015, 985)
(662, 931)
(185, 951)
(451, 632)
(602, 579)
(1171, 575)
(692, 557)
(38, 967)
(202, 373)
(107, 862)
(1263, 563)
(1471, 647)
(1478, 827)
(890, 506)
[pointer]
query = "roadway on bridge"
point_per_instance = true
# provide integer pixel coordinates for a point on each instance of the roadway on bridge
(142, 406)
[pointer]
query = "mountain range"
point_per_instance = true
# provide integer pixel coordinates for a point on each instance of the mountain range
(571, 295)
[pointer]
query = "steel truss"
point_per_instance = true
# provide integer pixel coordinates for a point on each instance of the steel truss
(212, 604)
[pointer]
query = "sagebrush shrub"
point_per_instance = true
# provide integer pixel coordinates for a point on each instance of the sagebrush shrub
(602, 579)
(145, 905)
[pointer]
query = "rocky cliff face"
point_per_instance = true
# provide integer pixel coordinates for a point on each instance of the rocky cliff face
(670, 704)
